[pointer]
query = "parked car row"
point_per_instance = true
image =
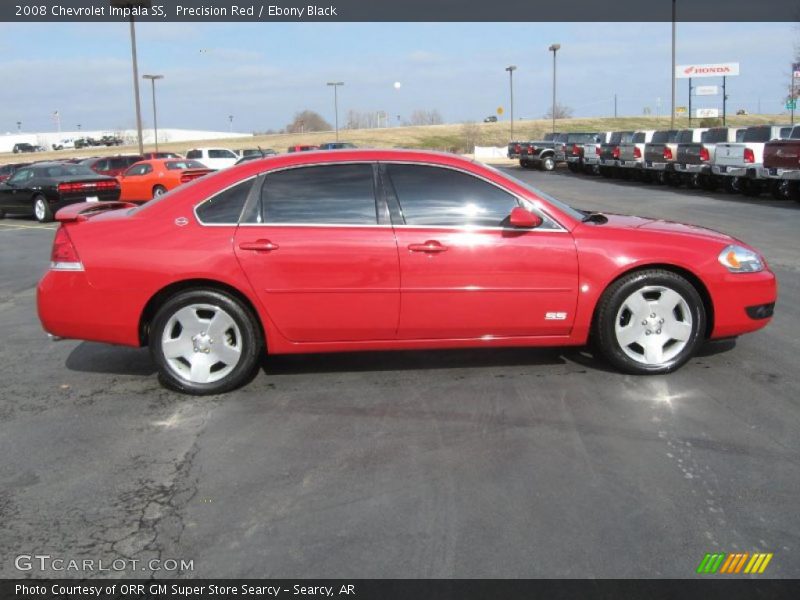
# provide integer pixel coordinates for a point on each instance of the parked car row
(748, 160)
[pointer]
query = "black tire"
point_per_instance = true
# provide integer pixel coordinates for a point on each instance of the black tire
(41, 209)
(159, 190)
(548, 163)
(779, 189)
(525, 164)
(611, 305)
(251, 342)
(729, 185)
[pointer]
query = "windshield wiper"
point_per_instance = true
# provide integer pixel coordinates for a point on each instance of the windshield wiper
(595, 217)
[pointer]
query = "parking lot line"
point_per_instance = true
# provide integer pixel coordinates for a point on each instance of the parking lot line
(12, 226)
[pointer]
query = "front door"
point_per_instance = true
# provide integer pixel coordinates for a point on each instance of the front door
(323, 266)
(465, 272)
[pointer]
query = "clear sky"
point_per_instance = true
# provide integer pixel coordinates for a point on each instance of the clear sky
(262, 73)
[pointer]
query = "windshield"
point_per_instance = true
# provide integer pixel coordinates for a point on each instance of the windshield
(562, 206)
(65, 170)
(184, 164)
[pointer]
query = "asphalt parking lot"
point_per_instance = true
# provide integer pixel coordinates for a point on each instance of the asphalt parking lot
(510, 463)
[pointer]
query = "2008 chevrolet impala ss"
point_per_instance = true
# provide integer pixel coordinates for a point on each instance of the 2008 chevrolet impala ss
(383, 250)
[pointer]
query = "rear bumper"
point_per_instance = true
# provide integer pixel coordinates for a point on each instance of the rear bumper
(774, 173)
(574, 159)
(609, 162)
(69, 307)
(631, 164)
(591, 160)
(659, 166)
(701, 169)
(743, 302)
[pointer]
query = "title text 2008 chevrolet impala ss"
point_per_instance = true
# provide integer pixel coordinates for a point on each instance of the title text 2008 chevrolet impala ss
(383, 250)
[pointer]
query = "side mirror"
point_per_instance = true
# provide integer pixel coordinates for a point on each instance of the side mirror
(523, 218)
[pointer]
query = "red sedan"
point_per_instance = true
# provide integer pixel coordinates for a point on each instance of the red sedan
(384, 250)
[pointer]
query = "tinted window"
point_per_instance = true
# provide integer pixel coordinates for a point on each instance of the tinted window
(194, 154)
(218, 154)
(226, 206)
(795, 135)
(638, 138)
(21, 176)
(662, 137)
(615, 137)
(574, 138)
(684, 136)
(713, 136)
(757, 134)
(329, 194)
(139, 170)
(64, 170)
(785, 131)
(626, 137)
(740, 135)
(437, 196)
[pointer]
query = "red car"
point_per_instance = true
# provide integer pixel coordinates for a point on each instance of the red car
(152, 178)
(385, 250)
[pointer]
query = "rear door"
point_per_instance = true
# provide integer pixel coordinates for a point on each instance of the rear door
(319, 257)
(465, 273)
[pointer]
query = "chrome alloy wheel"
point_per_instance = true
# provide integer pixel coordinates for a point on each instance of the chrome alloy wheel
(40, 209)
(201, 343)
(653, 325)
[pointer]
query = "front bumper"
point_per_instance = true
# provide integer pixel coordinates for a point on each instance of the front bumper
(743, 302)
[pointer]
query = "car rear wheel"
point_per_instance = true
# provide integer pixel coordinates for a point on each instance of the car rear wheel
(205, 342)
(41, 209)
(649, 322)
(548, 163)
(159, 190)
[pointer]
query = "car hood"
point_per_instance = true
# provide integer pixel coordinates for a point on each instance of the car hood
(662, 226)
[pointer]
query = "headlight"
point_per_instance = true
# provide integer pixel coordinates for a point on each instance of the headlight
(740, 260)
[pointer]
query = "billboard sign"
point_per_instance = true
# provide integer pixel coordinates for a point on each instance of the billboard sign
(713, 70)
(705, 113)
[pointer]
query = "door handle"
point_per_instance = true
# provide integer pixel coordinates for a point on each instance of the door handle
(428, 246)
(259, 246)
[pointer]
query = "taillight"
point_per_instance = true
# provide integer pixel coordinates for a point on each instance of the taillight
(575, 150)
(615, 152)
(64, 256)
(749, 157)
(667, 153)
(68, 187)
(517, 149)
(637, 153)
(531, 149)
(597, 150)
(704, 155)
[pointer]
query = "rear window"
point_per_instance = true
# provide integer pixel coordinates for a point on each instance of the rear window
(626, 137)
(757, 134)
(174, 165)
(213, 153)
(639, 137)
(664, 137)
(578, 138)
(615, 138)
(64, 170)
(740, 135)
(714, 136)
(194, 154)
(225, 207)
(785, 132)
(684, 136)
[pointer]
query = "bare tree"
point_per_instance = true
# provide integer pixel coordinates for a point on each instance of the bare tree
(308, 120)
(426, 117)
(471, 135)
(562, 112)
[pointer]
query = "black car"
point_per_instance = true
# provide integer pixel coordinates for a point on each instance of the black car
(23, 147)
(41, 189)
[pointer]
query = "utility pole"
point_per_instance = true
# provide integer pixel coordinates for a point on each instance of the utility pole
(724, 100)
(672, 107)
(511, 70)
(615, 106)
(153, 79)
(335, 85)
(554, 48)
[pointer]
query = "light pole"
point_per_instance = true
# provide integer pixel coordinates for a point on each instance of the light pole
(152, 79)
(230, 123)
(130, 4)
(19, 126)
(335, 85)
(554, 48)
(511, 69)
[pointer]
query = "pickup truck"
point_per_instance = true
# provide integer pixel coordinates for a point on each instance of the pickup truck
(631, 154)
(782, 166)
(609, 152)
(684, 137)
(516, 149)
(542, 154)
(571, 151)
(740, 163)
(659, 155)
(695, 159)
(591, 153)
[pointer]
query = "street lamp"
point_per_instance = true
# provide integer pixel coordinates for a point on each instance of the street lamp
(230, 123)
(672, 104)
(511, 70)
(554, 48)
(131, 4)
(335, 85)
(19, 126)
(152, 79)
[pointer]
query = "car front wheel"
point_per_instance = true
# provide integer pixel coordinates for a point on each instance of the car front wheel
(649, 322)
(205, 342)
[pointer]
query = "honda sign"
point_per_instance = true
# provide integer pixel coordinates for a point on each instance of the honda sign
(717, 70)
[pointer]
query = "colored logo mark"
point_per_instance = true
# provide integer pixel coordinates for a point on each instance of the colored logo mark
(735, 562)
